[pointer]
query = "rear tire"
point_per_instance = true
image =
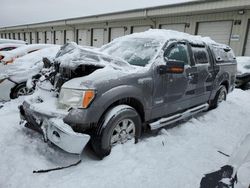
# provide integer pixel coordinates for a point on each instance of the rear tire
(120, 124)
(21, 90)
(220, 96)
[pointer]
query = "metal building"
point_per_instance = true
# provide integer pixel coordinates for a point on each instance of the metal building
(225, 21)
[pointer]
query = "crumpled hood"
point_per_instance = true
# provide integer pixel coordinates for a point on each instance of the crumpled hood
(72, 55)
(103, 76)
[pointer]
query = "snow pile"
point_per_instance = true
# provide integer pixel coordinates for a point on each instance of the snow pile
(243, 64)
(176, 157)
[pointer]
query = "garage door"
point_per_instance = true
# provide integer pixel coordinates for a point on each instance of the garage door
(116, 32)
(83, 37)
(41, 37)
(219, 31)
(138, 29)
(98, 37)
(247, 47)
(49, 37)
(69, 36)
(59, 37)
(33, 37)
(27, 37)
(176, 27)
(21, 36)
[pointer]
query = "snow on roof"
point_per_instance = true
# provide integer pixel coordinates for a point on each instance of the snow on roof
(23, 50)
(6, 45)
(243, 64)
(12, 41)
(165, 35)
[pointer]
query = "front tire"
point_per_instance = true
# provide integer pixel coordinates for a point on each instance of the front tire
(120, 124)
(220, 96)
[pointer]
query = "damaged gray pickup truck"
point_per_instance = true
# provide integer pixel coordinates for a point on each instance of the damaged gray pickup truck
(140, 81)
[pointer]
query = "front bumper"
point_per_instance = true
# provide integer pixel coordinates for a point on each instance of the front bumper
(51, 125)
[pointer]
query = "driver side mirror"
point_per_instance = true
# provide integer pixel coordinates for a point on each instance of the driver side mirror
(174, 67)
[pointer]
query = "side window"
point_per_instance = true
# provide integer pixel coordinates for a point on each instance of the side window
(223, 55)
(178, 52)
(200, 55)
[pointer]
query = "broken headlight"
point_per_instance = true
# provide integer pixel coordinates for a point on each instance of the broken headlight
(76, 97)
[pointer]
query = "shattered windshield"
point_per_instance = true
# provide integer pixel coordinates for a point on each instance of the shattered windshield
(136, 51)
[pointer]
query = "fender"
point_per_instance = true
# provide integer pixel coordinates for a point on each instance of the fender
(121, 92)
(85, 117)
(220, 78)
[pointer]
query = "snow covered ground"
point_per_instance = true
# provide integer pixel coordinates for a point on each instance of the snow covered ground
(175, 157)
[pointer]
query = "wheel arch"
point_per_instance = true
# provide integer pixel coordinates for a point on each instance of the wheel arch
(130, 101)
(14, 88)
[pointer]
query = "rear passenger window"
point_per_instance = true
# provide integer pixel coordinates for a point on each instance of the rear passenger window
(200, 55)
(178, 52)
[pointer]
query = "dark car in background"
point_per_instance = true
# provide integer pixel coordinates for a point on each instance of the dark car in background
(243, 72)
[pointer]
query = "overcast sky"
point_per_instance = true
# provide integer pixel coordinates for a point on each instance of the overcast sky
(19, 12)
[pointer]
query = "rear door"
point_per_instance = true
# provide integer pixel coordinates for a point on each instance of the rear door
(204, 75)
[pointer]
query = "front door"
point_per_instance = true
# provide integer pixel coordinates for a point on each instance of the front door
(173, 91)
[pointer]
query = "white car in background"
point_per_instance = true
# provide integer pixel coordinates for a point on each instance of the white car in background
(9, 46)
(12, 41)
(7, 57)
(13, 77)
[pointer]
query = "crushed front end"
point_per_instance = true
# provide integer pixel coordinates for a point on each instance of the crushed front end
(43, 115)
(45, 110)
